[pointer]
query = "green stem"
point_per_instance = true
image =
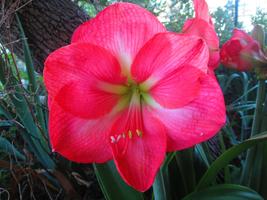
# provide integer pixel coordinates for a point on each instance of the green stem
(259, 107)
(227, 176)
(249, 162)
(260, 181)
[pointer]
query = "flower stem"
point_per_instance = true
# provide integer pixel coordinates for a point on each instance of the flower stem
(259, 107)
(249, 162)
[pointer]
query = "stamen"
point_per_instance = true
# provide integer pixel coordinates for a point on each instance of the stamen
(139, 133)
(130, 134)
(113, 140)
(118, 138)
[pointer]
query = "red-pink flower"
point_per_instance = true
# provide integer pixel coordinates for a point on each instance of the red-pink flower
(128, 90)
(201, 25)
(240, 51)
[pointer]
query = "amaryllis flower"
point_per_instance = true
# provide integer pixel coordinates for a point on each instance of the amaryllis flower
(240, 51)
(201, 25)
(128, 90)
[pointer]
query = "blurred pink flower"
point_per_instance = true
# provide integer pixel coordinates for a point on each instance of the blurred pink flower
(240, 51)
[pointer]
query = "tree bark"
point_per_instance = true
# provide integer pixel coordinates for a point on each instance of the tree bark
(48, 25)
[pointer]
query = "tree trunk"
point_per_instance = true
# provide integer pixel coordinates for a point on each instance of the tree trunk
(48, 25)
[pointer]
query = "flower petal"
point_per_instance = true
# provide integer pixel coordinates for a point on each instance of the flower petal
(122, 28)
(138, 154)
(178, 88)
(237, 33)
(82, 99)
(230, 55)
(83, 76)
(165, 53)
(196, 122)
(202, 28)
(77, 139)
(214, 60)
(202, 10)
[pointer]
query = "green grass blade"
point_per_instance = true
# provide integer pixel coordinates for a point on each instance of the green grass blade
(9, 148)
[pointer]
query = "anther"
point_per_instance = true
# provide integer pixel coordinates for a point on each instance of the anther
(130, 134)
(113, 140)
(139, 133)
(118, 138)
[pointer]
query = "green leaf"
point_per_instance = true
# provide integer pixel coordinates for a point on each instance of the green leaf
(5, 123)
(32, 135)
(224, 192)
(185, 163)
(226, 157)
(168, 159)
(3, 110)
(7, 147)
(31, 75)
(112, 185)
(203, 153)
(161, 186)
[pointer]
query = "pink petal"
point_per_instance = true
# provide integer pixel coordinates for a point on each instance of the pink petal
(241, 51)
(196, 122)
(122, 28)
(214, 60)
(83, 76)
(202, 10)
(178, 88)
(230, 55)
(138, 157)
(165, 53)
(237, 33)
(82, 99)
(201, 28)
(77, 139)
